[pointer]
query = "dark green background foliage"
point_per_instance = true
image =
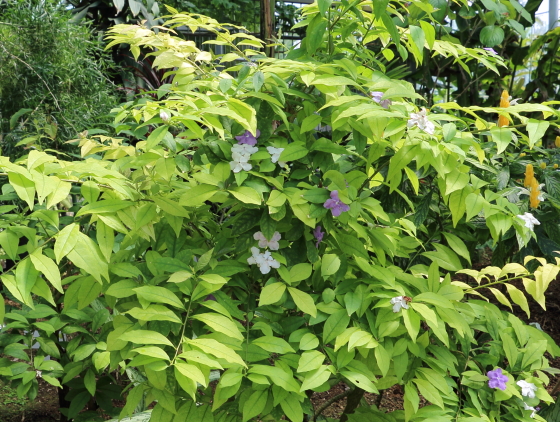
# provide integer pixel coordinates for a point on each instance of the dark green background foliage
(54, 69)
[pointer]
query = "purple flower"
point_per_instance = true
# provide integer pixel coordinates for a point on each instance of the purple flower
(335, 204)
(318, 235)
(377, 97)
(490, 50)
(497, 379)
(248, 138)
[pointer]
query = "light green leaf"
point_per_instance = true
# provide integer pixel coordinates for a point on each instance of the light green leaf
(273, 344)
(48, 267)
(217, 349)
(109, 206)
(154, 313)
(145, 337)
(247, 195)
(153, 351)
(221, 324)
(445, 258)
(458, 246)
(65, 241)
(293, 151)
(303, 301)
(271, 293)
(536, 130)
(329, 265)
(159, 295)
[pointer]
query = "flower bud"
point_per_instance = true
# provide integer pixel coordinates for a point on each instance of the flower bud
(543, 165)
(522, 154)
(557, 142)
(164, 116)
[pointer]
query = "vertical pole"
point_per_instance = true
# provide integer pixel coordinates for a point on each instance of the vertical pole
(552, 14)
(267, 26)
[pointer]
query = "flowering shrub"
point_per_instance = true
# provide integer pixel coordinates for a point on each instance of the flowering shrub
(206, 250)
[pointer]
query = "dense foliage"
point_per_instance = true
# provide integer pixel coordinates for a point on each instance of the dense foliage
(282, 226)
(53, 81)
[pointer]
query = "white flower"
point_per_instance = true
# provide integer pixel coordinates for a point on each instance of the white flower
(164, 116)
(264, 261)
(421, 120)
(529, 220)
(39, 374)
(399, 302)
(523, 191)
(513, 102)
(265, 243)
(528, 389)
(527, 407)
(241, 154)
(275, 155)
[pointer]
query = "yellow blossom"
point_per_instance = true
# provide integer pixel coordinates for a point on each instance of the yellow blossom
(557, 142)
(504, 103)
(535, 193)
(529, 175)
(543, 165)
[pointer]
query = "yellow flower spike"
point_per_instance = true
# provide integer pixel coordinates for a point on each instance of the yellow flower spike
(557, 142)
(529, 175)
(535, 192)
(543, 165)
(522, 154)
(504, 103)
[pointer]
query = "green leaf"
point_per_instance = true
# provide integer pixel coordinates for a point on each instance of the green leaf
(293, 151)
(122, 288)
(502, 137)
(24, 187)
(536, 130)
(429, 392)
(65, 241)
(271, 293)
(152, 351)
(303, 301)
(255, 404)
(198, 195)
(335, 325)
(48, 267)
(329, 265)
(217, 349)
(170, 207)
(221, 324)
(273, 344)
(90, 382)
(154, 313)
(491, 35)
(109, 206)
(445, 258)
(192, 372)
(159, 295)
(300, 272)
(360, 380)
(145, 337)
(314, 34)
(518, 298)
(258, 80)
(351, 245)
(292, 408)
(156, 136)
(310, 123)
(9, 241)
(26, 277)
(105, 239)
(458, 246)
(510, 348)
(247, 195)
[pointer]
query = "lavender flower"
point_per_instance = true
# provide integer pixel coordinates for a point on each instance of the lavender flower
(497, 379)
(377, 97)
(490, 50)
(335, 204)
(248, 138)
(318, 235)
(265, 243)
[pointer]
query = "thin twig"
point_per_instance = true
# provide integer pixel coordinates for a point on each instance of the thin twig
(329, 402)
